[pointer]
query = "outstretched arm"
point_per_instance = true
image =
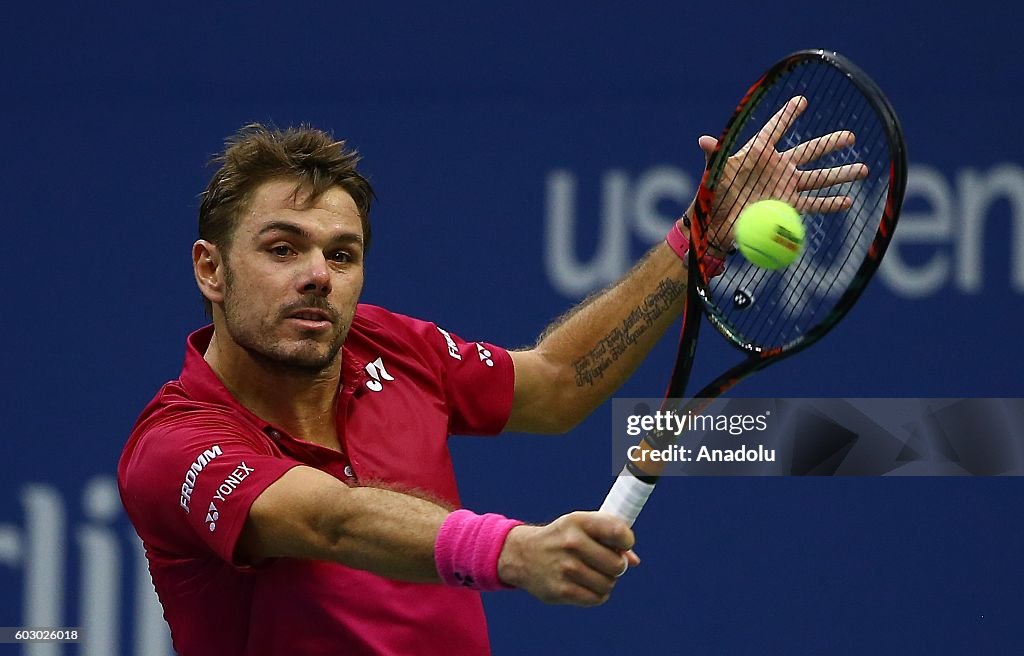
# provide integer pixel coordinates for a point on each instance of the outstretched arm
(587, 354)
(310, 514)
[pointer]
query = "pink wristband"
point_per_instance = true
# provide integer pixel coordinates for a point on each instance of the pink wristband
(467, 548)
(680, 245)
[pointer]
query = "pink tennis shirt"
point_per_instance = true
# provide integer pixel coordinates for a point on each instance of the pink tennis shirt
(196, 460)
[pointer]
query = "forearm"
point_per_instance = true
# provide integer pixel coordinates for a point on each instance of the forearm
(388, 533)
(588, 353)
(606, 338)
(310, 514)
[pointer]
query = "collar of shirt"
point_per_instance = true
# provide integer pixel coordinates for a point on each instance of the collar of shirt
(202, 384)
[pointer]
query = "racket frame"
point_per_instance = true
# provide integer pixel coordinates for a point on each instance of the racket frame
(634, 484)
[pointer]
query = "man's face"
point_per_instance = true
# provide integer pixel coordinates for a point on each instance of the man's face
(293, 276)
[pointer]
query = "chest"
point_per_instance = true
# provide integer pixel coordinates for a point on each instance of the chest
(392, 427)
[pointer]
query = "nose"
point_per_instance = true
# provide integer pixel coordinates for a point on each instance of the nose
(316, 278)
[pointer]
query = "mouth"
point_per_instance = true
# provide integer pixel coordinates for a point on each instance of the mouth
(311, 318)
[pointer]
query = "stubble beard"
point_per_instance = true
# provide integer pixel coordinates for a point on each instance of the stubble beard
(261, 340)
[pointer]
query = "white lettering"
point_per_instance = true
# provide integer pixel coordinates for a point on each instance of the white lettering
(193, 474)
(101, 569)
(742, 454)
(652, 189)
(45, 562)
(567, 273)
(40, 549)
(977, 195)
(453, 349)
(671, 453)
(932, 228)
(939, 243)
(232, 482)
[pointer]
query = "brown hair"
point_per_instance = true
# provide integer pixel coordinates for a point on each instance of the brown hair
(256, 154)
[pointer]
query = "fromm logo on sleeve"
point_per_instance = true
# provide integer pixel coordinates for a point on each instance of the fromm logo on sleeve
(192, 475)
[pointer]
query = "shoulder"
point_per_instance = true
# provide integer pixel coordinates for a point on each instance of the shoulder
(373, 318)
(173, 431)
(378, 330)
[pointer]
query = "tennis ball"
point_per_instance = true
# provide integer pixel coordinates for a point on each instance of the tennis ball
(769, 234)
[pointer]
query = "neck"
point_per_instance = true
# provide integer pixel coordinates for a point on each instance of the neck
(301, 402)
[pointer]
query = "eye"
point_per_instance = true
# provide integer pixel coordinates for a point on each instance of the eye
(341, 257)
(281, 250)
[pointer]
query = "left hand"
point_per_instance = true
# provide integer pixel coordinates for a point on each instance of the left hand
(575, 559)
(758, 171)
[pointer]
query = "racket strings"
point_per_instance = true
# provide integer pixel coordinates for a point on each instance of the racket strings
(861, 220)
(806, 285)
(769, 308)
(749, 280)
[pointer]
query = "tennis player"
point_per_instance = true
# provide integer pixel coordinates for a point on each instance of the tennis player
(293, 486)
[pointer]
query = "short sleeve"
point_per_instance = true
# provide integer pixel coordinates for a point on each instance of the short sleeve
(478, 386)
(477, 378)
(188, 482)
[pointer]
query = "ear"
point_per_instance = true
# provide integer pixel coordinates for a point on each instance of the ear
(208, 266)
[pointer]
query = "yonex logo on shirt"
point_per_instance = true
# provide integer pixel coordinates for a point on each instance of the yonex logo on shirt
(233, 481)
(485, 354)
(377, 373)
(212, 515)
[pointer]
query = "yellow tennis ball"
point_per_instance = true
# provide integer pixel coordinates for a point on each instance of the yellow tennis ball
(769, 234)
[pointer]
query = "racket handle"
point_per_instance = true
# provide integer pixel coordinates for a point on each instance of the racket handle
(627, 497)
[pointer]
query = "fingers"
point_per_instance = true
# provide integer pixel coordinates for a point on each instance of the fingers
(574, 560)
(580, 595)
(707, 145)
(822, 204)
(607, 529)
(599, 584)
(629, 559)
(778, 124)
(821, 146)
(759, 170)
(601, 541)
(601, 550)
(821, 178)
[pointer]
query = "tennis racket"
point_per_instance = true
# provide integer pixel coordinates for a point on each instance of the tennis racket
(816, 132)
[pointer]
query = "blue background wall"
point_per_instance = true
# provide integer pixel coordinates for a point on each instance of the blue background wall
(465, 114)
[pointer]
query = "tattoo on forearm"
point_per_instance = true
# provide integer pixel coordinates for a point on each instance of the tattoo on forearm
(592, 366)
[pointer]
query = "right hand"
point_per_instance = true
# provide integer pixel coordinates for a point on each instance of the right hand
(573, 560)
(758, 171)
